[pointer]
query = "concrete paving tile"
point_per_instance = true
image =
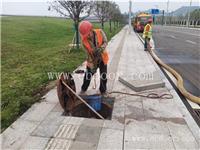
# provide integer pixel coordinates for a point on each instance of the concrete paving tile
(130, 98)
(149, 141)
(51, 96)
(120, 120)
(118, 114)
(50, 125)
(182, 136)
(119, 102)
(58, 144)
(73, 120)
(119, 98)
(45, 130)
(66, 132)
(118, 86)
(34, 142)
(110, 139)
(58, 108)
(88, 134)
(113, 124)
(38, 111)
(142, 83)
(134, 110)
(93, 122)
(77, 145)
(17, 133)
(141, 128)
(157, 108)
(53, 118)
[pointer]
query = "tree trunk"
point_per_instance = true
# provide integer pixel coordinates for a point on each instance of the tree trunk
(114, 24)
(76, 23)
(110, 25)
(102, 24)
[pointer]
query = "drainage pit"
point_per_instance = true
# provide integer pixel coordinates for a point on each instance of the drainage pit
(81, 110)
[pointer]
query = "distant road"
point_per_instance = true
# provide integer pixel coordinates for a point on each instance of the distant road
(180, 48)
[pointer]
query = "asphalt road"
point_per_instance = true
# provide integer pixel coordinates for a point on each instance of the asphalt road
(180, 48)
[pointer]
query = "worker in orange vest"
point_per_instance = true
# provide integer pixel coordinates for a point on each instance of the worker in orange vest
(147, 34)
(94, 42)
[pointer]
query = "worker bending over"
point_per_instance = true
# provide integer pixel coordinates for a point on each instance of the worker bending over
(94, 42)
(147, 35)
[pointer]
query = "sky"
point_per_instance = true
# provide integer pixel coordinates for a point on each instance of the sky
(40, 7)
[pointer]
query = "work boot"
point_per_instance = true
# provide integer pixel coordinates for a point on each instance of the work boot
(105, 94)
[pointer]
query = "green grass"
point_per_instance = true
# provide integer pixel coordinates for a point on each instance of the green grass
(32, 47)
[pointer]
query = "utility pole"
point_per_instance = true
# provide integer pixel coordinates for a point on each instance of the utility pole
(130, 6)
(188, 20)
(163, 12)
(167, 12)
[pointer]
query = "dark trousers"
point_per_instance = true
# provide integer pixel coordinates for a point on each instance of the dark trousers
(146, 42)
(103, 78)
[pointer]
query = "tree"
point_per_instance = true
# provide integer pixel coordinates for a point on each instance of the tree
(112, 9)
(117, 17)
(101, 11)
(195, 15)
(76, 10)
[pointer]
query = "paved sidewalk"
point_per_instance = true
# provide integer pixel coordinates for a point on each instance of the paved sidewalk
(137, 123)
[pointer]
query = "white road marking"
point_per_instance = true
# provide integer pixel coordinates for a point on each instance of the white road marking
(191, 42)
(183, 32)
(183, 27)
(173, 37)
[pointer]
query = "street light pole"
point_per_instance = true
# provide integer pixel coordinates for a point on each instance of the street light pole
(188, 20)
(167, 12)
(130, 6)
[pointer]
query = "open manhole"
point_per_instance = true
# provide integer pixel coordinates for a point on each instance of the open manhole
(81, 110)
(73, 106)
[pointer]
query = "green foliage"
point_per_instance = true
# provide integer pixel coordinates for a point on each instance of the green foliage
(107, 30)
(32, 47)
(195, 15)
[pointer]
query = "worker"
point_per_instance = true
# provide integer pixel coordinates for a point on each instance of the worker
(94, 42)
(147, 34)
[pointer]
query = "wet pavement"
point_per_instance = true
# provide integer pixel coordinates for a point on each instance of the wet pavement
(180, 48)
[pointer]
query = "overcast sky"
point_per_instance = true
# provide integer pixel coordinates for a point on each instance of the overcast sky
(40, 7)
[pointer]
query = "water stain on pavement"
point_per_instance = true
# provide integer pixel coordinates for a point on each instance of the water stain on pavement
(140, 114)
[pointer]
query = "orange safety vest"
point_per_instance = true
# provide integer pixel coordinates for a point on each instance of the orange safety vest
(104, 54)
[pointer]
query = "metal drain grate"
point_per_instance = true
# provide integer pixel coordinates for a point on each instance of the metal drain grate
(197, 111)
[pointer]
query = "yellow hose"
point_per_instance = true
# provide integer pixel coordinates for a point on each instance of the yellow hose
(178, 77)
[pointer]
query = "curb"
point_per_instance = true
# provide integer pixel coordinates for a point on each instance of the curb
(183, 99)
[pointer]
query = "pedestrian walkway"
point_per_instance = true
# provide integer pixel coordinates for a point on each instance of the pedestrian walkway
(137, 122)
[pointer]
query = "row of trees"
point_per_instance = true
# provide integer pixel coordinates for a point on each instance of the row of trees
(181, 19)
(80, 10)
(194, 15)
